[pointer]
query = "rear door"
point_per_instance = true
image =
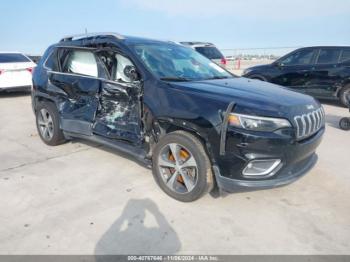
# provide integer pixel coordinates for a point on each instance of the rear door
(15, 70)
(76, 84)
(326, 73)
(119, 113)
(294, 71)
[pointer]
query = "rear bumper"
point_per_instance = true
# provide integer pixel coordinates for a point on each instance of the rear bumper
(16, 88)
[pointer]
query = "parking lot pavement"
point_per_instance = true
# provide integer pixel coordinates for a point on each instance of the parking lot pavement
(81, 198)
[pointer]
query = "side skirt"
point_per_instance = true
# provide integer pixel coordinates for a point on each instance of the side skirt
(138, 153)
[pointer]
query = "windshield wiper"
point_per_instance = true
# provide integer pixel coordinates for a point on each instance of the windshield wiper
(175, 78)
(218, 77)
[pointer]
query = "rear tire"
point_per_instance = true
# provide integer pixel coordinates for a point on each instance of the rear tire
(344, 123)
(47, 123)
(344, 96)
(187, 175)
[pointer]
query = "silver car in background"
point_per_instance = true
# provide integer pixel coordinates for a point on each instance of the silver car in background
(209, 50)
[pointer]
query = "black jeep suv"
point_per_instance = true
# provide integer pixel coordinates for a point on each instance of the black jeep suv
(197, 125)
(323, 72)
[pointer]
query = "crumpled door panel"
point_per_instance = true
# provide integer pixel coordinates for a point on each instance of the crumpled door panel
(78, 102)
(118, 116)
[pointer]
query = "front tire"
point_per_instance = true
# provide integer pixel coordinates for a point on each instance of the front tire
(47, 123)
(181, 166)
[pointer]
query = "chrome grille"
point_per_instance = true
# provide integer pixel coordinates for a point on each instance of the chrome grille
(310, 123)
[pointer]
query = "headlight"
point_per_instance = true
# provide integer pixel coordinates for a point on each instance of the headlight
(257, 123)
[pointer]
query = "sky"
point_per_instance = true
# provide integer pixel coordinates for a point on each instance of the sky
(31, 26)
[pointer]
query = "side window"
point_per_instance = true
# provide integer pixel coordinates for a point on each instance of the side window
(52, 61)
(345, 56)
(115, 64)
(328, 56)
(303, 57)
(79, 62)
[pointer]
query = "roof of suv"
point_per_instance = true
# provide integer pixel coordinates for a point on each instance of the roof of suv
(312, 47)
(197, 44)
(111, 36)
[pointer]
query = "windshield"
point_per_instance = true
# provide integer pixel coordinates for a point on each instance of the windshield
(178, 63)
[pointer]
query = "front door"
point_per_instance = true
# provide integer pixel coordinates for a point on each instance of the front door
(119, 112)
(294, 71)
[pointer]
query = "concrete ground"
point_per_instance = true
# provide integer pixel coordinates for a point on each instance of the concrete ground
(80, 198)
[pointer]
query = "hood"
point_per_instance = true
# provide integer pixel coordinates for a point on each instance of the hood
(253, 96)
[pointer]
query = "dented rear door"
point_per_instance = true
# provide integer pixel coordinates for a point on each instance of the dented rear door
(77, 86)
(78, 101)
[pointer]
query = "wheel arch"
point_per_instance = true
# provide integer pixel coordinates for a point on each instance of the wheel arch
(171, 126)
(162, 127)
(42, 98)
(155, 127)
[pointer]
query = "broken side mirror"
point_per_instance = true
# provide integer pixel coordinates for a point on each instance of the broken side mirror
(131, 73)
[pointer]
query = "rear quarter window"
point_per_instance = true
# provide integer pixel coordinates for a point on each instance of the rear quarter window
(13, 58)
(209, 52)
(52, 61)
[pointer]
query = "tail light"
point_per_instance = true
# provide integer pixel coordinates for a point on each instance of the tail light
(1, 71)
(30, 69)
(223, 61)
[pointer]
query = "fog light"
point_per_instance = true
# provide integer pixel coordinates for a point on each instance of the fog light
(262, 167)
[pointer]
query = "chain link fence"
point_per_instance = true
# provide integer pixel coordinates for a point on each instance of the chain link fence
(239, 59)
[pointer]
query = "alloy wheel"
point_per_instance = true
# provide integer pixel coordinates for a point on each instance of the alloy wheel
(45, 124)
(178, 168)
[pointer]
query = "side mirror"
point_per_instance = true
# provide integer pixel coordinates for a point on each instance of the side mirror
(279, 64)
(131, 73)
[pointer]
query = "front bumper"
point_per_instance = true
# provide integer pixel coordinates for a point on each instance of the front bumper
(297, 158)
(235, 185)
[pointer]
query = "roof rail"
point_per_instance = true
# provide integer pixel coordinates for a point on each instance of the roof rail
(87, 35)
(196, 43)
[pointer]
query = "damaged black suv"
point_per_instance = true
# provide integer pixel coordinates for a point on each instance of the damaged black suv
(197, 125)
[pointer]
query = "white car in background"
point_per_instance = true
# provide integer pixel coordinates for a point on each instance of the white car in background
(15, 71)
(209, 50)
